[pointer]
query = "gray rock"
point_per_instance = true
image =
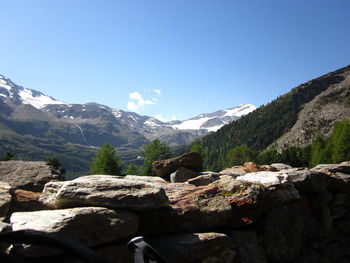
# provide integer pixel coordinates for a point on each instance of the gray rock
(106, 191)
(204, 179)
(182, 174)
(89, 226)
(203, 247)
(25, 175)
(283, 231)
(332, 168)
(308, 180)
(248, 248)
(148, 179)
(5, 199)
(235, 170)
(281, 166)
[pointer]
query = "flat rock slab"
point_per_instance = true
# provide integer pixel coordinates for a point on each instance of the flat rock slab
(5, 199)
(192, 161)
(25, 175)
(332, 168)
(182, 174)
(201, 247)
(106, 191)
(89, 226)
(148, 179)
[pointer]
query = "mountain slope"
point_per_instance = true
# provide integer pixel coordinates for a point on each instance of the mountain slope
(265, 125)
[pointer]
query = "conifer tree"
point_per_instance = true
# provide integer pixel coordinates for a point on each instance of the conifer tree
(106, 161)
(154, 151)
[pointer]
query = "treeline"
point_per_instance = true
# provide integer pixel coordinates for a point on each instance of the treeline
(334, 149)
(265, 125)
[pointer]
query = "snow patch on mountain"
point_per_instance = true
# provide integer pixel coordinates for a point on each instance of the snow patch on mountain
(38, 102)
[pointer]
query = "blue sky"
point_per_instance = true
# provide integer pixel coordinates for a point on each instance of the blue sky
(177, 58)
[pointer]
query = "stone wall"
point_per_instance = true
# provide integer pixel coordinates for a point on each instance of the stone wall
(292, 215)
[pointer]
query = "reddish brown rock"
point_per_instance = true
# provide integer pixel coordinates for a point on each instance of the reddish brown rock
(23, 200)
(200, 207)
(192, 161)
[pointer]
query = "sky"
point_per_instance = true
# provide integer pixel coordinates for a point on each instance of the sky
(171, 59)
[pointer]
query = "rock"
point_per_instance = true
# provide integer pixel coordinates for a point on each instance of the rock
(265, 178)
(89, 226)
(245, 198)
(235, 170)
(5, 199)
(251, 167)
(31, 176)
(23, 200)
(106, 191)
(195, 248)
(204, 179)
(283, 233)
(332, 168)
(281, 166)
(339, 182)
(248, 248)
(192, 161)
(147, 179)
(182, 174)
(198, 208)
(346, 162)
(308, 180)
(4, 228)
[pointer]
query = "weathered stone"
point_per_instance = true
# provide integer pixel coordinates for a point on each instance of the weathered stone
(199, 208)
(235, 170)
(265, 178)
(25, 175)
(204, 179)
(245, 199)
(23, 200)
(281, 166)
(182, 174)
(192, 161)
(147, 179)
(283, 233)
(308, 181)
(5, 199)
(248, 248)
(106, 191)
(89, 226)
(332, 168)
(251, 167)
(195, 248)
(339, 182)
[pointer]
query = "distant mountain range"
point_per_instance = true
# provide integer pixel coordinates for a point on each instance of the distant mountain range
(36, 126)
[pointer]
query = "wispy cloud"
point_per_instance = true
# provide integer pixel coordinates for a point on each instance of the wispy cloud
(158, 91)
(137, 102)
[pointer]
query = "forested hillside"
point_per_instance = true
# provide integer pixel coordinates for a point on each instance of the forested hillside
(266, 124)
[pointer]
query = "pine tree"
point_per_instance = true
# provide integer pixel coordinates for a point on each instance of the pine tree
(133, 169)
(106, 161)
(152, 152)
(239, 155)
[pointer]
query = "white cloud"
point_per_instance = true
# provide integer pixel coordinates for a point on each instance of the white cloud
(158, 91)
(137, 102)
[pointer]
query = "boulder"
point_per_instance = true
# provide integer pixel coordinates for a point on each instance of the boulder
(198, 208)
(182, 174)
(195, 248)
(308, 180)
(265, 178)
(192, 161)
(235, 170)
(283, 232)
(204, 179)
(251, 167)
(332, 168)
(281, 166)
(5, 199)
(89, 226)
(248, 248)
(23, 200)
(31, 176)
(104, 190)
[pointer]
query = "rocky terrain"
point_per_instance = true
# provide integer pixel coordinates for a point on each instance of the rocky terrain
(250, 213)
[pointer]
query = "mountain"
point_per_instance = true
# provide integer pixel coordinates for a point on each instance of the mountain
(36, 126)
(295, 118)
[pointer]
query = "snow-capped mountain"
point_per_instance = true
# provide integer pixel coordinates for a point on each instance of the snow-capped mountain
(85, 115)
